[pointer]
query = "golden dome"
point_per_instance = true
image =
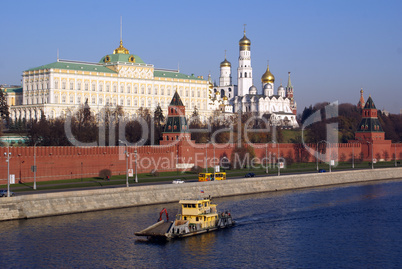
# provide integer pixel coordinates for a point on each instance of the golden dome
(225, 98)
(244, 41)
(226, 63)
(211, 85)
(268, 77)
(121, 49)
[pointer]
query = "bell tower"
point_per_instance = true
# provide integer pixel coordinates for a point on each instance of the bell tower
(244, 71)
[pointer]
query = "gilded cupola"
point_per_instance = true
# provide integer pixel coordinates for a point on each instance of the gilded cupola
(121, 49)
(268, 77)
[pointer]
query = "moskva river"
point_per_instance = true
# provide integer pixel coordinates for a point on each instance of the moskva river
(353, 226)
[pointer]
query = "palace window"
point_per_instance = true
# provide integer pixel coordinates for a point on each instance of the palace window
(100, 87)
(71, 99)
(107, 88)
(114, 102)
(156, 90)
(149, 89)
(86, 86)
(142, 89)
(63, 99)
(100, 101)
(71, 85)
(63, 85)
(78, 100)
(93, 100)
(56, 84)
(93, 87)
(162, 90)
(135, 102)
(122, 88)
(168, 90)
(79, 86)
(135, 88)
(122, 102)
(114, 88)
(128, 102)
(107, 101)
(128, 88)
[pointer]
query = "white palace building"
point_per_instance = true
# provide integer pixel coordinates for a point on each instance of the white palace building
(121, 78)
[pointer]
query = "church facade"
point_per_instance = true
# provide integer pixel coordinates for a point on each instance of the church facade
(280, 108)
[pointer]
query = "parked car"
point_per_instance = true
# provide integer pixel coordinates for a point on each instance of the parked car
(3, 193)
(249, 174)
(321, 171)
(178, 181)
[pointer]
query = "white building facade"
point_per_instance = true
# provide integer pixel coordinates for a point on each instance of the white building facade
(119, 79)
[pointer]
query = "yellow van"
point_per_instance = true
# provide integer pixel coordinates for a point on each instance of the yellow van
(210, 176)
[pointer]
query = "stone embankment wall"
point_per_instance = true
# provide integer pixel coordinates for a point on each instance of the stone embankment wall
(49, 204)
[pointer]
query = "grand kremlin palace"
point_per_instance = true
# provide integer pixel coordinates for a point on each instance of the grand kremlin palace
(121, 78)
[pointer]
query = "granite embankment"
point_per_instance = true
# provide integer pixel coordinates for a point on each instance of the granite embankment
(49, 204)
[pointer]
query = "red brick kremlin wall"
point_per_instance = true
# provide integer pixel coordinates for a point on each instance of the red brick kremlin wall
(55, 163)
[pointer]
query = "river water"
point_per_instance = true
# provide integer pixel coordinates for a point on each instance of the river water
(353, 226)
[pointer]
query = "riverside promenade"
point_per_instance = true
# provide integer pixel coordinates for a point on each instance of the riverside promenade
(69, 202)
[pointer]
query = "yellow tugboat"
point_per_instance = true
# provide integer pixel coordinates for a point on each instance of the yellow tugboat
(197, 216)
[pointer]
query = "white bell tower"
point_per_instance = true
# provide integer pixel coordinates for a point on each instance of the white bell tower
(244, 71)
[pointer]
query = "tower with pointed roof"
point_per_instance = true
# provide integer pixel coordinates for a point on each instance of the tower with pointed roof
(289, 94)
(225, 78)
(176, 128)
(360, 104)
(369, 128)
(244, 71)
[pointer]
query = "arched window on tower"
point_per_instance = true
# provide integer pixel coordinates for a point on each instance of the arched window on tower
(245, 74)
(240, 74)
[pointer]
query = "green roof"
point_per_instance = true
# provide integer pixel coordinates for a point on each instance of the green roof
(74, 66)
(173, 74)
(121, 57)
(176, 125)
(12, 89)
(368, 125)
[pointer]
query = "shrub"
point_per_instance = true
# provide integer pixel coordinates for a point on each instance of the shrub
(196, 169)
(154, 173)
(105, 173)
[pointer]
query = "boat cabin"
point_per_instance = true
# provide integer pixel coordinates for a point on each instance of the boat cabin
(199, 212)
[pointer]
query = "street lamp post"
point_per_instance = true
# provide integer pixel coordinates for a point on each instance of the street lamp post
(8, 155)
(126, 155)
(279, 167)
(266, 158)
(135, 154)
(213, 145)
(330, 160)
(316, 156)
(372, 156)
(206, 157)
(395, 153)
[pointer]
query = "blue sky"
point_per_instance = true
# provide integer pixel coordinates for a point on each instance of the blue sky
(333, 48)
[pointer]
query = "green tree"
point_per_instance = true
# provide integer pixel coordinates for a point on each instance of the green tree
(4, 109)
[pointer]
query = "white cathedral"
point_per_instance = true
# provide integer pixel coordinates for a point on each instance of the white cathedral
(280, 108)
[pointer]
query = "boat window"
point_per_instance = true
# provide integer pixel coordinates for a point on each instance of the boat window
(184, 205)
(199, 205)
(185, 218)
(196, 219)
(193, 205)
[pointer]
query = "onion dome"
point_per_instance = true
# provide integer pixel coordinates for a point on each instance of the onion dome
(253, 90)
(268, 77)
(121, 49)
(244, 43)
(225, 98)
(281, 91)
(225, 63)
